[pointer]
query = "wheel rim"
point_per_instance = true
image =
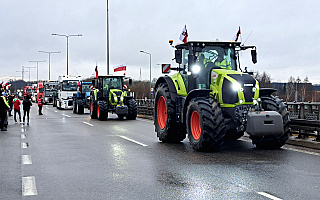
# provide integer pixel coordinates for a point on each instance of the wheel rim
(162, 112)
(195, 125)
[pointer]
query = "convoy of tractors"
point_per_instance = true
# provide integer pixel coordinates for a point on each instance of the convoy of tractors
(210, 99)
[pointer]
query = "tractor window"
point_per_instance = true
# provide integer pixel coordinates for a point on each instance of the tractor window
(112, 83)
(86, 88)
(69, 85)
(217, 57)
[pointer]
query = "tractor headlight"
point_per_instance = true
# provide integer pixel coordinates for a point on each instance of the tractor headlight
(115, 98)
(196, 69)
(121, 98)
(236, 86)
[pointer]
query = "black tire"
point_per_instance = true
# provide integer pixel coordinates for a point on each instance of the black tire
(205, 125)
(80, 106)
(132, 109)
(102, 110)
(232, 135)
(74, 106)
(273, 142)
(168, 130)
(93, 109)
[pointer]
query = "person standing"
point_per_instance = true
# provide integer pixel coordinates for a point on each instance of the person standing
(40, 104)
(16, 107)
(10, 99)
(4, 107)
(26, 108)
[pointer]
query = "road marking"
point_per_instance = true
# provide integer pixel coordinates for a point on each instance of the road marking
(55, 111)
(24, 145)
(66, 115)
(23, 136)
(269, 196)
(302, 151)
(29, 186)
(131, 140)
(88, 123)
(26, 159)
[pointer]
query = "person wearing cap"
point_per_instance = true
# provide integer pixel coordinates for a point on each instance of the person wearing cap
(4, 107)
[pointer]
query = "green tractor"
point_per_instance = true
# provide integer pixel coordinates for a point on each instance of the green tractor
(211, 100)
(109, 95)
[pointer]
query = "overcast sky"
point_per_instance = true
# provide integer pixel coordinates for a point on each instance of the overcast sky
(285, 32)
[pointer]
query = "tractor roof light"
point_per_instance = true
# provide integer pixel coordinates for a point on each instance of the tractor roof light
(196, 69)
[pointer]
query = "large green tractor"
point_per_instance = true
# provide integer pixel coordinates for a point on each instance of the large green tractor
(211, 100)
(109, 95)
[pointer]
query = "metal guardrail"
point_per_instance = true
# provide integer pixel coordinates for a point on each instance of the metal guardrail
(304, 116)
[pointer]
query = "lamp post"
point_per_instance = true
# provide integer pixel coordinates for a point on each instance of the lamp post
(150, 63)
(29, 73)
(67, 36)
(49, 52)
(37, 67)
(296, 93)
(22, 71)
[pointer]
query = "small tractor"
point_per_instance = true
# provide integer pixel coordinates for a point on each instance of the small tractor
(81, 99)
(110, 96)
(212, 100)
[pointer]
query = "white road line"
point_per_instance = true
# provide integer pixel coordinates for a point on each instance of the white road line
(24, 145)
(29, 186)
(23, 136)
(26, 159)
(302, 151)
(269, 196)
(66, 115)
(55, 111)
(131, 140)
(88, 123)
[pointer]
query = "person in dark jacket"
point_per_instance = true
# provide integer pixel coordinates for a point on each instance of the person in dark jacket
(4, 107)
(26, 108)
(10, 99)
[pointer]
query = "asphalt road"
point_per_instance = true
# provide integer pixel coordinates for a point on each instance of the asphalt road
(62, 155)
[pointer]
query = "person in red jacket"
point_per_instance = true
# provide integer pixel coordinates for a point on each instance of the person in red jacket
(16, 107)
(40, 104)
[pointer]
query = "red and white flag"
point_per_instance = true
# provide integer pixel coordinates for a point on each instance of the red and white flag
(96, 70)
(236, 37)
(184, 35)
(122, 67)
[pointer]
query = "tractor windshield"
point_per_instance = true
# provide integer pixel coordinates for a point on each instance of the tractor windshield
(216, 57)
(86, 88)
(112, 83)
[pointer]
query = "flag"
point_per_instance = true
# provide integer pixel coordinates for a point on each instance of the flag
(119, 68)
(184, 34)
(96, 70)
(236, 37)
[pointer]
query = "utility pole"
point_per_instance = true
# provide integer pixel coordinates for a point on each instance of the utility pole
(107, 40)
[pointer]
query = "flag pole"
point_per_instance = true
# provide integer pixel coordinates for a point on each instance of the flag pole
(107, 39)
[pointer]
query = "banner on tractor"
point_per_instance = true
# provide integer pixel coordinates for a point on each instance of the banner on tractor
(166, 68)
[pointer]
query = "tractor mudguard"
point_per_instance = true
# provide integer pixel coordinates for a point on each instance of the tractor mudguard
(193, 94)
(172, 89)
(265, 92)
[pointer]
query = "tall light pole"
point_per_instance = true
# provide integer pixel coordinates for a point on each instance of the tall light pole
(22, 71)
(150, 63)
(29, 73)
(67, 36)
(107, 25)
(49, 52)
(37, 66)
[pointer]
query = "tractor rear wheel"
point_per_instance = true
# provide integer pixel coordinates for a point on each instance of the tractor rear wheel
(93, 111)
(102, 110)
(74, 107)
(273, 142)
(205, 125)
(132, 109)
(168, 130)
(80, 106)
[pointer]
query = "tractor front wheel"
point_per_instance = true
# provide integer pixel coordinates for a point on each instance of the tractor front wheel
(102, 110)
(205, 125)
(80, 106)
(93, 111)
(132, 109)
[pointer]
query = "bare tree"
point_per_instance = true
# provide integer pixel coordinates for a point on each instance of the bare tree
(264, 79)
(290, 89)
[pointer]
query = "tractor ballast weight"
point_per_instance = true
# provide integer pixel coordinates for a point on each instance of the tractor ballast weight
(211, 101)
(109, 95)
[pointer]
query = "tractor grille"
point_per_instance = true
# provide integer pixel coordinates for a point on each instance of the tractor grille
(247, 82)
(229, 96)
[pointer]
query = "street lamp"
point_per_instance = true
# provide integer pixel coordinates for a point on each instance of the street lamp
(29, 73)
(150, 64)
(22, 72)
(49, 52)
(37, 66)
(67, 36)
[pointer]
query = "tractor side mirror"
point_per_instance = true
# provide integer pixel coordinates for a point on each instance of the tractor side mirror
(178, 55)
(254, 56)
(130, 81)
